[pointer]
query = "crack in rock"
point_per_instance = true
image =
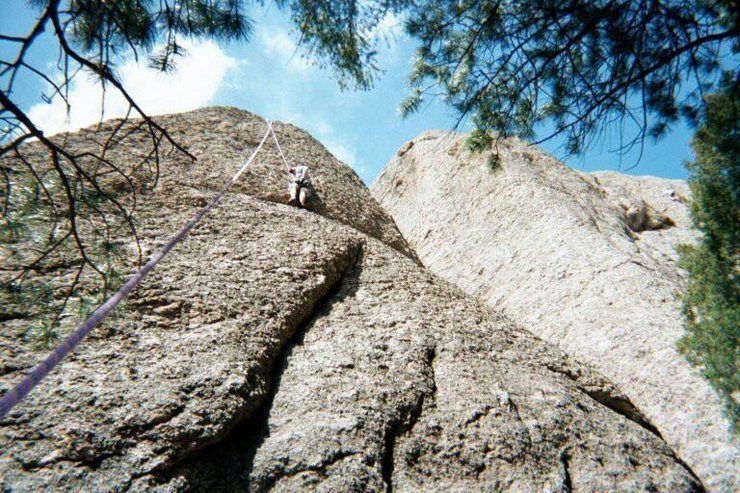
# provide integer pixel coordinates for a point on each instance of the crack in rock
(240, 445)
(567, 481)
(609, 396)
(406, 422)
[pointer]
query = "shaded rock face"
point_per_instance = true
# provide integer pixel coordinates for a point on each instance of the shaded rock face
(585, 261)
(285, 349)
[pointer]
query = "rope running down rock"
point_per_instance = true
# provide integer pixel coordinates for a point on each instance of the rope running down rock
(280, 150)
(21, 390)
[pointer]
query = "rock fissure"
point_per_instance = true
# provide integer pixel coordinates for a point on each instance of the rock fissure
(4, 317)
(613, 399)
(242, 441)
(93, 463)
(261, 416)
(246, 436)
(389, 448)
(567, 480)
(406, 421)
(609, 397)
(152, 423)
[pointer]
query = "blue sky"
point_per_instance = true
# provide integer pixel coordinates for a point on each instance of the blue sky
(267, 76)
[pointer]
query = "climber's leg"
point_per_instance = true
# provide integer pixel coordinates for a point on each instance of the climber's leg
(303, 195)
(293, 193)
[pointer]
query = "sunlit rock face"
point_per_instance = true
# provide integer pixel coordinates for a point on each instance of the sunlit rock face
(586, 261)
(303, 350)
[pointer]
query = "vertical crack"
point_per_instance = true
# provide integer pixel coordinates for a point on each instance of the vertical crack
(387, 465)
(567, 480)
(407, 419)
(258, 424)
(226, 465)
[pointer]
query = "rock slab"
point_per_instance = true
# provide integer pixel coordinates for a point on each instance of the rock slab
(585, 261)
(297, 350)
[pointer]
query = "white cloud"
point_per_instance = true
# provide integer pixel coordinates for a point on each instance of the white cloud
(334, 143)
(324, 128)
(343, 152)
(278, 43)
(193, 85)
(390, 28)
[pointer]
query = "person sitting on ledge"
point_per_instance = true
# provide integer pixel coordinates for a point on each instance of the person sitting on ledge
(299, 189)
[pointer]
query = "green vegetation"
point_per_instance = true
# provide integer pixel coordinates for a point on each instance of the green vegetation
(43, 280)
(712, 298)
(65, 213)
(570, 68)
(479, 141)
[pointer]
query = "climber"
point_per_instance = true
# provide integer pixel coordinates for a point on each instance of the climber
(300, 185)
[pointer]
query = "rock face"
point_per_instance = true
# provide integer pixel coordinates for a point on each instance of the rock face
(585, 261)
(295, 350)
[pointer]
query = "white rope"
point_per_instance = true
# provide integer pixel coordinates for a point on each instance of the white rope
(280, 150)
(251, 158)
(17, 393)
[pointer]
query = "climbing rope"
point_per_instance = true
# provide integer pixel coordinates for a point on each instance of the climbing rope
(280, 150)
(17, 393)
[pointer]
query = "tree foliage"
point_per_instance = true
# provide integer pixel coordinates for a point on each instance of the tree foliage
(712, 298)
(343, 34)
(66, 201)
(574, 65)
(566, 68)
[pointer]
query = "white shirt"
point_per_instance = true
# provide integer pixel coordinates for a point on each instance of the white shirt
(300, 172)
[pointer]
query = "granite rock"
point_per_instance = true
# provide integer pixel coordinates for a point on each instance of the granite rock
(305, 350)
(587, 261)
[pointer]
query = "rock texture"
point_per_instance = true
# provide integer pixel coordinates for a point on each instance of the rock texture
(292, 350)
(400, 382)
(585, 261)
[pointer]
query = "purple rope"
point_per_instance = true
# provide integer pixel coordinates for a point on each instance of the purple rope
(17, 393)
